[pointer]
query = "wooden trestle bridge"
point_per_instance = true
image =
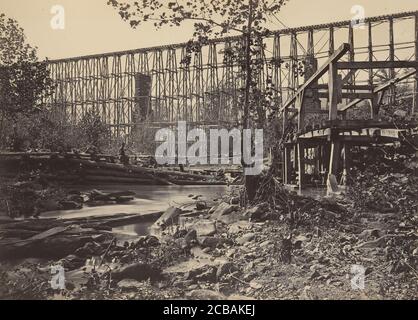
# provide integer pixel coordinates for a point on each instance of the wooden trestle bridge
(314, 71)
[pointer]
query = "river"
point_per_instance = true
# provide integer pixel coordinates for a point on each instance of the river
(148, 199)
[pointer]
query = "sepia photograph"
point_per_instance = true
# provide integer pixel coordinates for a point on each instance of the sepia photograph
(233, 151)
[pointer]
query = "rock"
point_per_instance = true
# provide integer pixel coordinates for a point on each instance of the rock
(203, 294)
(170, 217)
(137, 271)
(70, 205)
(191, 237)
(151, 241)
(49, 205)
(58, 246)
(265, 244)
(255, 285)
(298, 241)
(205, 274)
(415, 252)
(129, 284)
(201, 205)
(89, 249)
(72, 262)
(224, 209)
(257, 212)
(224, 268)
(205, 228)
(248, 237)
(378, 243)
(315, 274)
(237, 297)
(235, 201)
(210, 242)
(306, 294)
(400, 114)
(370, 233)
(239, 226)
(230, 253)
(75, 198)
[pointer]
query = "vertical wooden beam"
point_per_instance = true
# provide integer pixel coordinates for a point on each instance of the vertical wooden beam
(294, 75)
(277, 71)
(333, 115)
(301, 111)
(371, 71)
(333, 91)
(286, 165)
(331, 42)
(415, 104)
(347, 162)
(301, 164)
(286, 152)
(334, 163)
(391, 58)
(351, 58)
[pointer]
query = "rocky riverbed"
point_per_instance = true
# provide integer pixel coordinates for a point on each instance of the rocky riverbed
(296, 248)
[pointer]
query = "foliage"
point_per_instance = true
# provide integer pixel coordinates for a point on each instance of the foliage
(24, 82)
(94, 133)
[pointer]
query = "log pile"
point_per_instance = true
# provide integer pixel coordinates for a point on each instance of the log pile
(77, 170)
(55, 238)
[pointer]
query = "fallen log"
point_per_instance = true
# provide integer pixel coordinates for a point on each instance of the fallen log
(118, 180)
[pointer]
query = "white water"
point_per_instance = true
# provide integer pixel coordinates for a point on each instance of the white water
(148, 199)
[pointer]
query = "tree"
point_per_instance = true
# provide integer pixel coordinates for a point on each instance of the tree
(216, 18)
(24, 81)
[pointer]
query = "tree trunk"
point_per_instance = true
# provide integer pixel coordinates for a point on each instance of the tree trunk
(249, 186)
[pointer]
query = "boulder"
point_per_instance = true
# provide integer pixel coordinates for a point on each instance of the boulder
(257, 212)
(224, 268)
(89, 249)
(205, 228)
(224, 209)
(170, 217)
(129, 284)
(239, 226)
(205, 274)
(210, 242)
(137, 271)
(248, 237)
(201, 205)
(191, 237)
(203, 294)
(72, 262)
(235, 201)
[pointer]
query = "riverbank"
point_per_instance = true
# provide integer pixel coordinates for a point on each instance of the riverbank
(296, 248)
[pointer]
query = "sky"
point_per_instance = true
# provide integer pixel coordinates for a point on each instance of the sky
(91, 26)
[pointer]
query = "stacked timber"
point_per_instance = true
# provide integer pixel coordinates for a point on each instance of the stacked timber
(80, 170)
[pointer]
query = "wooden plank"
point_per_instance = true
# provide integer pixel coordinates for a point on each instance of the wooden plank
(349, 95)
(344, 87)
(367, 65)
(318, 74)
(301, 165)
(415, 100)
(379, 89)
(333, 91)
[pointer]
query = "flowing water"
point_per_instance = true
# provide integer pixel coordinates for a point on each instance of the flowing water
(148, 199)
